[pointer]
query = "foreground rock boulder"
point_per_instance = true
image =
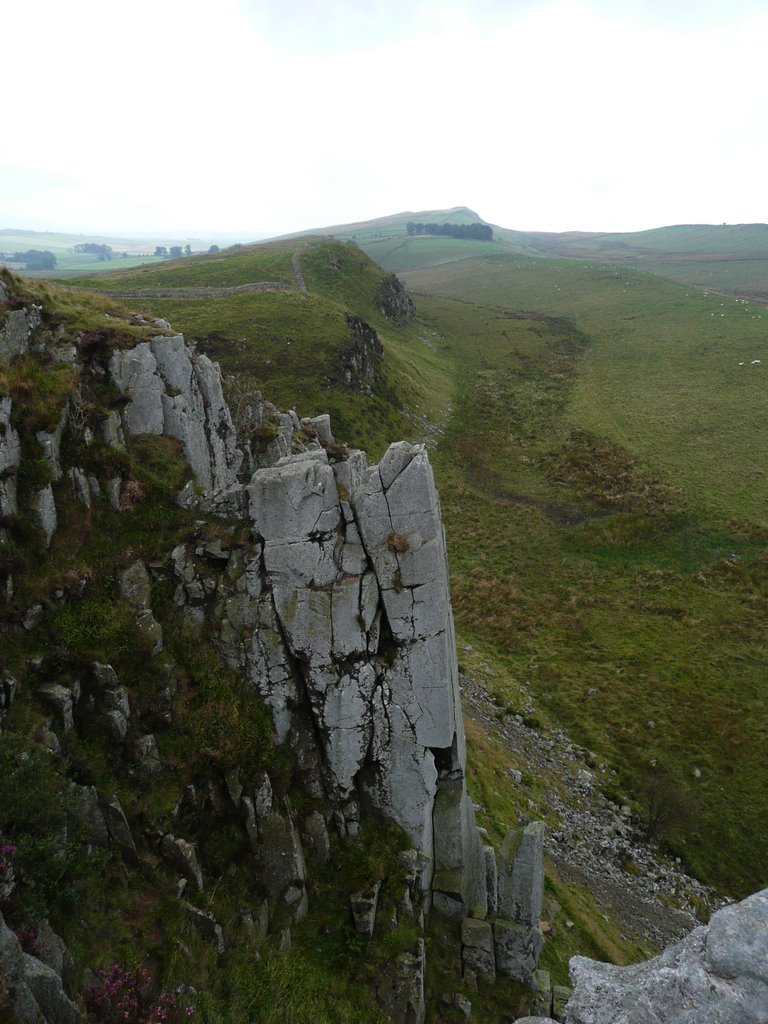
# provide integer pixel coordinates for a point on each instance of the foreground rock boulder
(716, 975)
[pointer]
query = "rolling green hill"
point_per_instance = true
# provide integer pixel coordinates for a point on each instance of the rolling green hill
(729, 257)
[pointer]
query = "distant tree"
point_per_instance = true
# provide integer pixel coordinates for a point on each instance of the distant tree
(175, 252)
(160, 250)
(36, 259)
(187, 249)
(213, 249)
(104, 252)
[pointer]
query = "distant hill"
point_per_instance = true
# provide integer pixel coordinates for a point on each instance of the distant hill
(724, 257)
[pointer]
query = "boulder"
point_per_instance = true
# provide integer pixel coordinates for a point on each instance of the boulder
(34, 989)
(59, 700)
(119, 831)
(16, 332)
(718, 974)
(206, 925)
(521, 875)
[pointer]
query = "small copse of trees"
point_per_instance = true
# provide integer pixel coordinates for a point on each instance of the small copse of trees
(104, 252)
(478, 232)
(36, 259)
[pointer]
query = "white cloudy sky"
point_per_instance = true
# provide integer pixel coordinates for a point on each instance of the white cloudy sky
(269, 116)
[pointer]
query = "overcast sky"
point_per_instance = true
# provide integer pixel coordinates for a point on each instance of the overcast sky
(270, 116)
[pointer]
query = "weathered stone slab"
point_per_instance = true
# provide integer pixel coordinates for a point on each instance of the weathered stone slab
(477, 948)
(521, 875)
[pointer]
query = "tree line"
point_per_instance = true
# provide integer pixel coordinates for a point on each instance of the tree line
(479, 232)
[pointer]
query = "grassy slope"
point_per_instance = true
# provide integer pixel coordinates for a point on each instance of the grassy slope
(621, 571)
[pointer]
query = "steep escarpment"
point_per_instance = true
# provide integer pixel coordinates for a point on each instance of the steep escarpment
(321, 583)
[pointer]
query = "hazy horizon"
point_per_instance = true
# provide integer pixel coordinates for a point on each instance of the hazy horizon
(545, 115)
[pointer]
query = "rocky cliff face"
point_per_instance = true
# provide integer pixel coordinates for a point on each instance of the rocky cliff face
(335, 610)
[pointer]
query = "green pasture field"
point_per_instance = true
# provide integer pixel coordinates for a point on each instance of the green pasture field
(603, 485)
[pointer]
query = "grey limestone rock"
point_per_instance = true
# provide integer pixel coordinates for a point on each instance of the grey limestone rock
(718, 974)
(458, 849)
(10, 459)
(81, 488)
(119, 830)
(363, 905)
(147, 756)
(134, 371)
(320, 426)
(16, 332)
(91, 815)
(116, 712)
(521, 875)
(517, 947)
(135, 586)
(491, 879)
(112, 430)
(50, 445)
(283, 863)
(477, 948)
(35, 990)
(53, 950)
(315, 837)
(59, 700)
(44, 506)
(206, 925)
(401, 988)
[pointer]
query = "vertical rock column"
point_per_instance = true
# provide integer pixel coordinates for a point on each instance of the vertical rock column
(516, 933)
(416, 774)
